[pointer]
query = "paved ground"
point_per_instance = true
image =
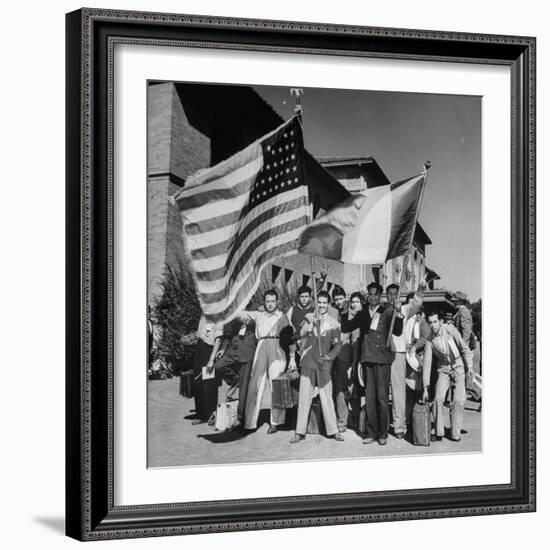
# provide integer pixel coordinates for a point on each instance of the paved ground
(173, 441)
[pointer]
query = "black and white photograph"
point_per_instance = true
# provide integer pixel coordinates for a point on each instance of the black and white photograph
(314, 274)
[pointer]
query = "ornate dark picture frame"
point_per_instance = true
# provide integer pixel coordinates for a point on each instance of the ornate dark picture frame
(91, 35)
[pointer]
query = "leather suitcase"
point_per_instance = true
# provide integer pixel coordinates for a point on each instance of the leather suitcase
(186, 384)
(284, 394)
(421, 424)
(316, 424)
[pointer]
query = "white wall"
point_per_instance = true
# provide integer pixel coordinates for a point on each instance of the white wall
(32, 232)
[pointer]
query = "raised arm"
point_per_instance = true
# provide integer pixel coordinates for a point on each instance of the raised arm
(349, 325)
(245, 316)
(412, 308)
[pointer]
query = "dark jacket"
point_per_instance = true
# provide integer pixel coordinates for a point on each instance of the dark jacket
(241, 346)
(374, 348)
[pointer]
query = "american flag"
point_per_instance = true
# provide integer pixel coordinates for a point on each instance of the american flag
(240, 215)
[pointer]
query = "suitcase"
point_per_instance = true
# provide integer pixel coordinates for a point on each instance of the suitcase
(316, 424)
(186, 383)
(284, 393)
(421, 424)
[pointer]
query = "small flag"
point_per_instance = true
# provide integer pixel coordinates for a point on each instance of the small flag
(368, 228)
(240, 215)
(288, 275)
(275, 270)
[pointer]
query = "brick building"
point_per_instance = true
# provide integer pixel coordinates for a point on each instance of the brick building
(194, 126)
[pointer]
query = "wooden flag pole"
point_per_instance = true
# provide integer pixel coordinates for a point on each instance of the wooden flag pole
(297, 93)
(406, 260)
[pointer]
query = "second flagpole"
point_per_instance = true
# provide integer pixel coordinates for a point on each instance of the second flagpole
(297, 93)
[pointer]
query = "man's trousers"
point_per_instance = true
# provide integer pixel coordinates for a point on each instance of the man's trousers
(398, 393)
(309, 378)
(340, 383)
(235, 372)
(377, 389)
(446, 378)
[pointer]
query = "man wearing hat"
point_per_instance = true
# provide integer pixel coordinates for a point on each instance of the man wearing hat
(449, 319)
(462, 319)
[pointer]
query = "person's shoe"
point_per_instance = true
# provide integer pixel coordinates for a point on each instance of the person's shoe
(338, 437)
(272, 429)
(296, 438)
(400, 435)
(434, 437)
(383, 441)
(342, 429)
(197, 421)
(455, 439)
(368, 440)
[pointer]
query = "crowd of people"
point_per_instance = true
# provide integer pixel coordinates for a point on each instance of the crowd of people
(348, 350)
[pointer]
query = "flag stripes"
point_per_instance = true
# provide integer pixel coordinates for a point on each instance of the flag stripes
(368, 228)
(241, 214)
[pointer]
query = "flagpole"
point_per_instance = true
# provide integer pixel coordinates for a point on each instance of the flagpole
(408, 255)
(297, 93)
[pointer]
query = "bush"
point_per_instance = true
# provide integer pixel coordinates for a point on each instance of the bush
(175, 313)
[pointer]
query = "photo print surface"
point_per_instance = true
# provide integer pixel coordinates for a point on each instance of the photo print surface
(314, 274)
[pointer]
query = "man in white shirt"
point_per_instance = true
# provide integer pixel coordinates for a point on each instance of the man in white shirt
(398, 367)
(269, 362)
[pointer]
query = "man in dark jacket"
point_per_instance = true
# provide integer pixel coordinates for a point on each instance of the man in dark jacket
(234, 360)
(375, 323)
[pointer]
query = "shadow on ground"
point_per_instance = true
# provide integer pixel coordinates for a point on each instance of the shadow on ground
(54, 524)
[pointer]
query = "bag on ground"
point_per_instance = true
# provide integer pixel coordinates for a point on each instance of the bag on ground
(421, 424)
(226, 415)
(186, 384)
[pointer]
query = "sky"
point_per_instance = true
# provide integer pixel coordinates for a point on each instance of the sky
(402, 131)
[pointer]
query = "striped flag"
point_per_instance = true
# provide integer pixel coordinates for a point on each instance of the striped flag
(240, 215)
(368, 228)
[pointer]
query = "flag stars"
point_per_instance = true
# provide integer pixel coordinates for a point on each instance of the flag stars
(294, 168)
(295, 180)
(293, 156)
